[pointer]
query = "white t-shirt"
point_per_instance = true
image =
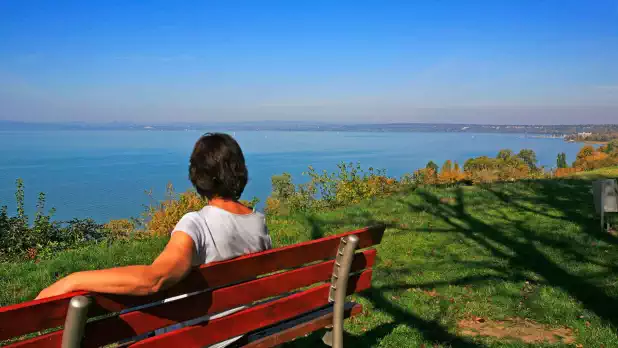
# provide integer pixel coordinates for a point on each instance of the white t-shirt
(220, 235)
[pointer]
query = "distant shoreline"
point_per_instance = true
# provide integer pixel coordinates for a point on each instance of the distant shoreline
(545, 131)
(586, 142)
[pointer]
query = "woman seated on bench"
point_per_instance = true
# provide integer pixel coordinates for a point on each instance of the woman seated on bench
(222, 230)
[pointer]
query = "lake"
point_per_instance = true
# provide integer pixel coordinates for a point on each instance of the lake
(104, 174)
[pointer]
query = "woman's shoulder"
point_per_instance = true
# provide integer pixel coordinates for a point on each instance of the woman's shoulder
(216, 211)
(192, 215)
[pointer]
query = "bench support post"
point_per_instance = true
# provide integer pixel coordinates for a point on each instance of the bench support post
(338, 289)
(75, 322)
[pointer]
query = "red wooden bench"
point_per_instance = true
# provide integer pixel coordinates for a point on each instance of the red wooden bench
(279, 287)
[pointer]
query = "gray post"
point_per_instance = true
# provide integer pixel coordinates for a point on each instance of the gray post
(75, 322)
(605, 194)
(338, 289)
(602, 205)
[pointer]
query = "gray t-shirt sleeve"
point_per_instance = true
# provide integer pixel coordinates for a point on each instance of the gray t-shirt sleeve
(190, 225)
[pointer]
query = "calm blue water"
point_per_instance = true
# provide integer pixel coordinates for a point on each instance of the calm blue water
(104, 174)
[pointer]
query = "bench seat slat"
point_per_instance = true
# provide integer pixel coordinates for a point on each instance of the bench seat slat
(252, 318)
(298, 327)
(33, 316)
(109, 330)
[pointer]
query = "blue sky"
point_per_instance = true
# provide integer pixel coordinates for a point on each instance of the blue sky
(339, 61)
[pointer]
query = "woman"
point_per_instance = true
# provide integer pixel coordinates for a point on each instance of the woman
(221, 230)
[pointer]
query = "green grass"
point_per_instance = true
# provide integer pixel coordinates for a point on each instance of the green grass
(530, 249)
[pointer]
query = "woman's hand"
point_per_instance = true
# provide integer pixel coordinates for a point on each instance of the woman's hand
(60, 287)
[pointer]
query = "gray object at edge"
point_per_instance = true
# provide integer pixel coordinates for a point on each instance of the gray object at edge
(605, 194)
(339, 287)
(75, 322)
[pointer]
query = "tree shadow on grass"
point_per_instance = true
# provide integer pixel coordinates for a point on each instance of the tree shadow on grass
(509, 235)
(526, 249)
(572, 197)
(431, 331)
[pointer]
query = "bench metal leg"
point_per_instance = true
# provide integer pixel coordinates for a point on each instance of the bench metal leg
(75, 322)
(338, 289)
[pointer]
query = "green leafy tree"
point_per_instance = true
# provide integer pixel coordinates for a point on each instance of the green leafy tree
(529, 158)
(505, 155)
(612, 147)
(480, 163)
(434, 166)
(507, 160)
(561, 161)
(282, 186)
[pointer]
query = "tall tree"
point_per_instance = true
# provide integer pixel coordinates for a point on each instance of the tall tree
(612, 147)
(447, 166)
(561, 161)
(432, 165)
(529, 158)
(505, 155)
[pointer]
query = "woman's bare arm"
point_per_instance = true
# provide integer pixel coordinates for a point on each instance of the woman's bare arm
(171, 266)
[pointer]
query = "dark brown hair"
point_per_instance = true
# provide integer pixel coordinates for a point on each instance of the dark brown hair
(217, 167)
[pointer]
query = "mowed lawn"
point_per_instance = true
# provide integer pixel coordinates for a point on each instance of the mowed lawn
(501, 265)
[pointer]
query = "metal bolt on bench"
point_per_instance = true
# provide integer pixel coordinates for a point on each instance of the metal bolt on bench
(338, 289)
(75, 322)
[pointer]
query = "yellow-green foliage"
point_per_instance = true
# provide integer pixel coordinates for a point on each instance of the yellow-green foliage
(162, 217)
(350, 185)
(120, 229)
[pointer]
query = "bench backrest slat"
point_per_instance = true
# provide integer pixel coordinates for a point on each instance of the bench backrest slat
(34, 316)
(253, 318)
(116, 328)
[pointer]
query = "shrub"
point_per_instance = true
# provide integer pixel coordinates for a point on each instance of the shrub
(161, 217)
(120, 229)
(18, 238)
(349, 185)
(425, 176)
(589, 158)
(482, 176)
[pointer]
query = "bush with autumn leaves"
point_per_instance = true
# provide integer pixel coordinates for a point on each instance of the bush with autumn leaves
(506, 166)
(590, 158)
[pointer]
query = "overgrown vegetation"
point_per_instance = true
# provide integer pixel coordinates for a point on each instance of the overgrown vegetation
(20, 238)
(349, 185)
(160, 217)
